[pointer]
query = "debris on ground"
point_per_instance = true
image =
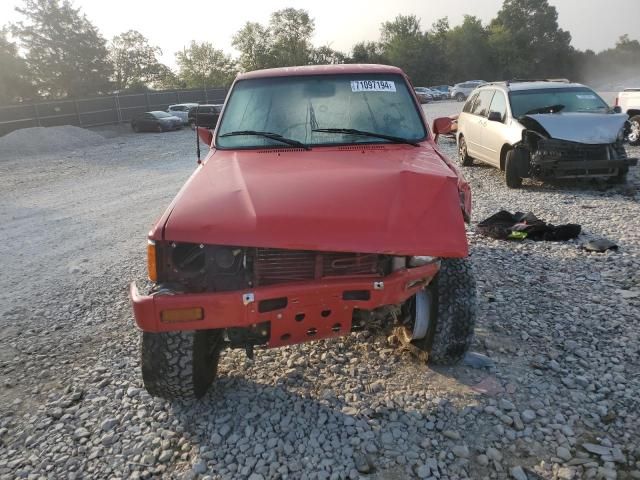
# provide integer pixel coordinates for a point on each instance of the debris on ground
(599, 245)
(505, 225)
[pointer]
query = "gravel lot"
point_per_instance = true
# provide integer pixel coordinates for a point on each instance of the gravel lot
(560, 326)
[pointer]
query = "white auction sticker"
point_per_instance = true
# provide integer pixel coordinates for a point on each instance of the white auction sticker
(587, 96)
(372, 86)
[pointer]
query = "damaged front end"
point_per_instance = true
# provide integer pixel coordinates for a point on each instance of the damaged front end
(574, 146)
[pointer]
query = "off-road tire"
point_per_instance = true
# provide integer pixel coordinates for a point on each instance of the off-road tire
(180, 365)
(453, 309)
(511, 176)
(634, 139)
(463, 153)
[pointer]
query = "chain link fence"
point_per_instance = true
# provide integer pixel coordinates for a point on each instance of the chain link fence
(93, 112)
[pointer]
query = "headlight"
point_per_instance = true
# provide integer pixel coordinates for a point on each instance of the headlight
(419, 261)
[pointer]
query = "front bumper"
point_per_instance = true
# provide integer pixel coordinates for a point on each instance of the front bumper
(307, 310)
(581, 168)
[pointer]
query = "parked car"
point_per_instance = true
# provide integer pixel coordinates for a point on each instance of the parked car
(439, 94)
(445, 89)
(181, 110)
(316, 214)
(207, 115)
(423, 94)
(543, 129)
(629, 102)
(461, 91)
(155, 122)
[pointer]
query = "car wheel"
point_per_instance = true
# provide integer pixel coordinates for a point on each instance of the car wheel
(192, 124)
(135, 127)
(159, 129)
(180, 365)
(463, 155)
(511, 171)
(460, 97)
(634, 132)
(450, 300)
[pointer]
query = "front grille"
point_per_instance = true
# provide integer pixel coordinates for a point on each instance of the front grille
(273, 266)
(552, 149)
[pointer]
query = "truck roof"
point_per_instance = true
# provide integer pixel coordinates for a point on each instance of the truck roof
(320, 70)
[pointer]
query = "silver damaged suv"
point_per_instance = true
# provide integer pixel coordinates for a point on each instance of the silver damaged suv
(543, 129)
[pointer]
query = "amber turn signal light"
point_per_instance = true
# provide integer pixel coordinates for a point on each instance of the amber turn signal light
(152, 265)
(181, 315)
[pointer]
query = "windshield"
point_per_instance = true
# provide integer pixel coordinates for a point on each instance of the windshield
(294, 106)
(160, 114)
(573, 99)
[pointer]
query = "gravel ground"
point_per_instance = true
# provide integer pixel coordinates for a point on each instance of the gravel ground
(560, 326)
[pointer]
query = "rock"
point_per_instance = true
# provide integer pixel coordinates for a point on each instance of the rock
(563, 453)
(597, 449)
(477, 360)
(423, 471)
(518, 473)
(505, 404)
(108, 424)
(494, 454)
(461, 451)
(482, 460)
(528, 416)
(81, 433)
(200, 467)
(165, 456)
(453, 435)
(362, 463)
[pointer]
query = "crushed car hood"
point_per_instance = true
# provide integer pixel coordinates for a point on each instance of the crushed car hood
(590, 128)
(373, 199)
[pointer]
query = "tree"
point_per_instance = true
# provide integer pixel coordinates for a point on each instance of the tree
(66, 55)
(201, 65)
(527, 41)
(367, 52)
(254, 43)
(326, 55)
(291, 30)
(14, 82)
(405, 45)
(467, 47)
(135, 62)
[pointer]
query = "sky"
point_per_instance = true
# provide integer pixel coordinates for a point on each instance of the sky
(594, 24)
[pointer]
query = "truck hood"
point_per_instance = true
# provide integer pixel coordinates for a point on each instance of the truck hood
(372, 199)
(589, 128)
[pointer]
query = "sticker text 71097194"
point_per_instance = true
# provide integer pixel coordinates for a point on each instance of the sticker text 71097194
(372, 86)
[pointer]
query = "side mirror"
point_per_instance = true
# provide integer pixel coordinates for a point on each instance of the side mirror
(442, 126)
(495, 117)
(205, 135)
(617, 109)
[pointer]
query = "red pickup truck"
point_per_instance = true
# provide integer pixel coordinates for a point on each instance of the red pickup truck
(323, 207)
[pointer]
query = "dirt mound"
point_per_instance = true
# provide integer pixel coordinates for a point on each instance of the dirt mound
(37, 140)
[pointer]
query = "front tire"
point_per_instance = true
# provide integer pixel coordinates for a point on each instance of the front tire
(180, 365)
(634, 134)
(450, 332)
(511, 172)
(460, 97)
(463, 154)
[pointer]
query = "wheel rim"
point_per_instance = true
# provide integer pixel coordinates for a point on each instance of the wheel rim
(634, 134)
(422, 315)
(462, 150)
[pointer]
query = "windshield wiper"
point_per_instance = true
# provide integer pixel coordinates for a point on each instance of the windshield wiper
(547, 109)
(352, 131)
(270, 135)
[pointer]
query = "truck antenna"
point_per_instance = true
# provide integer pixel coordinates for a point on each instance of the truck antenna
(197, 134)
